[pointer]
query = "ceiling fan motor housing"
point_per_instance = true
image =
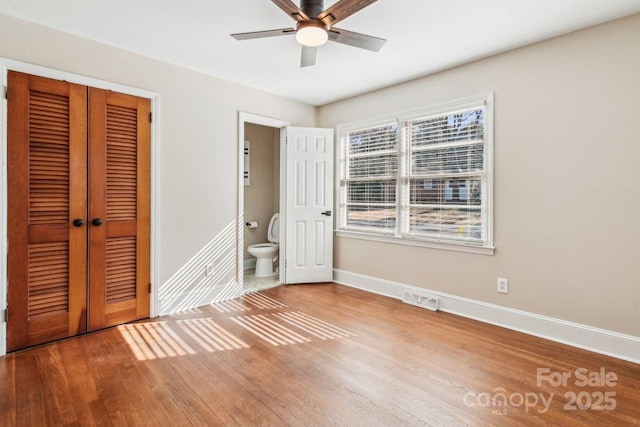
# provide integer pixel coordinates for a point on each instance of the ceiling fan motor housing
(312, 8)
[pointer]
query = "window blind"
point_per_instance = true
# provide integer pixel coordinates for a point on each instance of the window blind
(445, 181)
(369, 174)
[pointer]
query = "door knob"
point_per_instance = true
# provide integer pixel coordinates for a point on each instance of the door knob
(97, 222)
(78, 222)
(326, 213)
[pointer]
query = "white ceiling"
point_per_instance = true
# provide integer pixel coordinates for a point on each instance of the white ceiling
(423, 36)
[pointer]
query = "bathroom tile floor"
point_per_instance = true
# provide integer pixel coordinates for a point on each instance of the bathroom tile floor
(253, 283)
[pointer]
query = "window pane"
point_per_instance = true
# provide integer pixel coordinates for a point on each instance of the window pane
(451, 160)
(369, 180)
(370, 166)
(454, 191)
(443, 206)
(377, 192)
(371, 216)
(461, 126)
(374, 139)
(447, 223)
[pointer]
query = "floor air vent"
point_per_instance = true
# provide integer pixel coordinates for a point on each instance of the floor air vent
(427, 301)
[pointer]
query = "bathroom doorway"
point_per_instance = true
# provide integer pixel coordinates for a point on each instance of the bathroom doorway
(305, 231)
(260, 199)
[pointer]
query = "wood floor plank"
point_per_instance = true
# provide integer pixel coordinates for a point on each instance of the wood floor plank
(55, 387)
(82, 387)
(31, 406)
(8, 403)
(346, 357)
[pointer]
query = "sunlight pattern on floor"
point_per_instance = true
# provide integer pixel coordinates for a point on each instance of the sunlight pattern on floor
(211, 336)
(272, 332)
(312, 325)
(262, 301)
(158, 340)
(154, 341)
(230, 306)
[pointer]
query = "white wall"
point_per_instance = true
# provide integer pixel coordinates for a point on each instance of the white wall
(197, 153)
(567, 205)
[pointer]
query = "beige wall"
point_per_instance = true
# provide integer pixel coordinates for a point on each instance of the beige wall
(198, 137)
(567, 205)
(262, 196)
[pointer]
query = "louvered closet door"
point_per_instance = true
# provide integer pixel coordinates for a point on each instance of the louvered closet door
(119, 181)
(47, 190)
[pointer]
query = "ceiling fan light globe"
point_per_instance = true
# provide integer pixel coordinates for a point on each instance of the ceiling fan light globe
(312, 35)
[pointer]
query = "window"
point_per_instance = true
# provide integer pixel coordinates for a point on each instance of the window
(370, 178)
(424, 176)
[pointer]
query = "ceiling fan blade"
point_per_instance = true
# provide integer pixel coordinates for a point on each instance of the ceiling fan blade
(350, 38)
(342, 10)
(263, 34)
(308, 57)
(291, 9)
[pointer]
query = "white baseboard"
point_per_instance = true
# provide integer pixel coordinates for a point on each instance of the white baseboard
(249, 263)
(610, 343)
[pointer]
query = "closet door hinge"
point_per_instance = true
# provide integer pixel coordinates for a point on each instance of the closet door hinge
(150, 117)
(5, 315)
(6, 93)
(149, 287)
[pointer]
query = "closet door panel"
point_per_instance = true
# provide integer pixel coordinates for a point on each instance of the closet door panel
(119, 154)
(47, 190)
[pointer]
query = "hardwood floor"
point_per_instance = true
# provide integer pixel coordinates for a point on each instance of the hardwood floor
(313, 355)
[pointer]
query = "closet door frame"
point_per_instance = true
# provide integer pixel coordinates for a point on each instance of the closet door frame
(7, 65)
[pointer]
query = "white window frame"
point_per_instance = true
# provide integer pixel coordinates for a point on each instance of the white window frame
(398, 237)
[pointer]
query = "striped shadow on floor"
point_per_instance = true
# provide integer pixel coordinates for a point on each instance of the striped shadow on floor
(278, 334)
(270, 331)
(211, 336)
(260, 301)
(316, 327)
(230, 306)
(154, 340)
(158, 340)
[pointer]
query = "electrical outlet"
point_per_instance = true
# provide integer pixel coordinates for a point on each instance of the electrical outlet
(210, 269)
(503, 285)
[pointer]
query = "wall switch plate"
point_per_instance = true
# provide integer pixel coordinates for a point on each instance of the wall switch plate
(503, 285)
(210, 269)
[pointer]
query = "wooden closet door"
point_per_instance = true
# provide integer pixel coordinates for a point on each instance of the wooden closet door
(47, 191)
(119, 199)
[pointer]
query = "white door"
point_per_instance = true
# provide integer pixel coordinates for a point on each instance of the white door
(309, 232)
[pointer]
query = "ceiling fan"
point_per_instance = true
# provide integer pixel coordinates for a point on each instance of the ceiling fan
(314, 27)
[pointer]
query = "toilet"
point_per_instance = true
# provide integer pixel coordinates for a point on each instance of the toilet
(267, 253)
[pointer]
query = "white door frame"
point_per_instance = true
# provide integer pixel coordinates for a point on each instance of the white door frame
(7, 65)
(244, 118)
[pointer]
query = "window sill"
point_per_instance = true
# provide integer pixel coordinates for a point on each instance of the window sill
(481, 250)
